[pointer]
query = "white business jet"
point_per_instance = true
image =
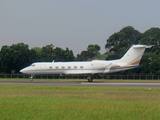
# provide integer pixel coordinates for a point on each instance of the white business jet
(130, 60)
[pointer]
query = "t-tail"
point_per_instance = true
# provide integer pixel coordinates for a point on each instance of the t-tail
(133, 56)
(130, 60)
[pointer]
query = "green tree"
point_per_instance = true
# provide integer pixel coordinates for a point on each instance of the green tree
(154, 64)
(91, 53)
(5, 59)
(101, 57)
(152, 37)
(47, 54)
(68, 55)
(120, 42)
(63, 55)
(93, 49)
(48, 49)
(15, 57)
(38, 50)
(38, 54)
(84, 56)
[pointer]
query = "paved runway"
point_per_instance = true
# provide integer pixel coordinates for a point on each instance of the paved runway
(88, 84)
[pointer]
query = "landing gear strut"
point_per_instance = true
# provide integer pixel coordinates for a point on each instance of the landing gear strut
(31, 78)
(89, 77)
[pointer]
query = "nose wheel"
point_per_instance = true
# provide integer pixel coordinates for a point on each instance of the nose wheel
(31, 78)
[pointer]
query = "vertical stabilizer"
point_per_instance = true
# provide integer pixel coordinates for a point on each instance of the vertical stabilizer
(134, 55)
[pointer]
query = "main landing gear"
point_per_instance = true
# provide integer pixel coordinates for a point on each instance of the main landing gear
(89, 77)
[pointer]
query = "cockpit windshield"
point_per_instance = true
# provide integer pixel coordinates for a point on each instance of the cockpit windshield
(33, 65)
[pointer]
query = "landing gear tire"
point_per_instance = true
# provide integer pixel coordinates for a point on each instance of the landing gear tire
(89, 77)
(31, 79)
(90, 80)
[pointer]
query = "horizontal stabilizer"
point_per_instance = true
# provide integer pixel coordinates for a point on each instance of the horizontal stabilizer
(142, 46)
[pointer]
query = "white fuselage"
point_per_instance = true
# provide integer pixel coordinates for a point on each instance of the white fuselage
(91, 67)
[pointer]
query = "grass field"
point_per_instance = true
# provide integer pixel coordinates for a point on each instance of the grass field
(18, 102)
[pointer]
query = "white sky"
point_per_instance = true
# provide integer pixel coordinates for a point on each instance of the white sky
(73, 23)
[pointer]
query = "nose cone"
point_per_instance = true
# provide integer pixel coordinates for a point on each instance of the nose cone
(22, 71)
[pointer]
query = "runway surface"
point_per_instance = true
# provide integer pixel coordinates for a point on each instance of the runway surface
(85, 84)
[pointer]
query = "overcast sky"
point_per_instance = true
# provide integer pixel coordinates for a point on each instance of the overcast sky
(73, 23)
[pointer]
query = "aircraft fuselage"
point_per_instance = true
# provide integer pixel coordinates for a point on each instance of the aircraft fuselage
(92, 67)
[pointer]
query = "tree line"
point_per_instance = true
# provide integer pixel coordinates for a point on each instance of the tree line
(17, 56)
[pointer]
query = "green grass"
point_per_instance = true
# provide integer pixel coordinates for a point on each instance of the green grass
(64, 102)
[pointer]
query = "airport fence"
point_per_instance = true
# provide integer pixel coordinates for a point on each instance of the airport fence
(106, 76)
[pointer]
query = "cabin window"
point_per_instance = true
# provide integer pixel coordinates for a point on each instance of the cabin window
(57, 67)
(75, 67)
(63, 67)
(81, 67)
(69, 67)
(50, 67)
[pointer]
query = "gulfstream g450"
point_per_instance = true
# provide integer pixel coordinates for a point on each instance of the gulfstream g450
(130, 60)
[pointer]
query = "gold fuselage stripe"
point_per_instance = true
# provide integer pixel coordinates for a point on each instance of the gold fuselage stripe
(134, 63)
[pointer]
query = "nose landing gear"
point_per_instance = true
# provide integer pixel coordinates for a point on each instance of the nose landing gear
(31, 78)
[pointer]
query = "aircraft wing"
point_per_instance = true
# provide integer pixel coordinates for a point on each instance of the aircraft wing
(111, 65)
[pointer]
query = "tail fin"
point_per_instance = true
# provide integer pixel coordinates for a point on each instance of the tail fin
(134, 55)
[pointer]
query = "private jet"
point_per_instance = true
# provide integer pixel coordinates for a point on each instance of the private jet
(89, 68)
